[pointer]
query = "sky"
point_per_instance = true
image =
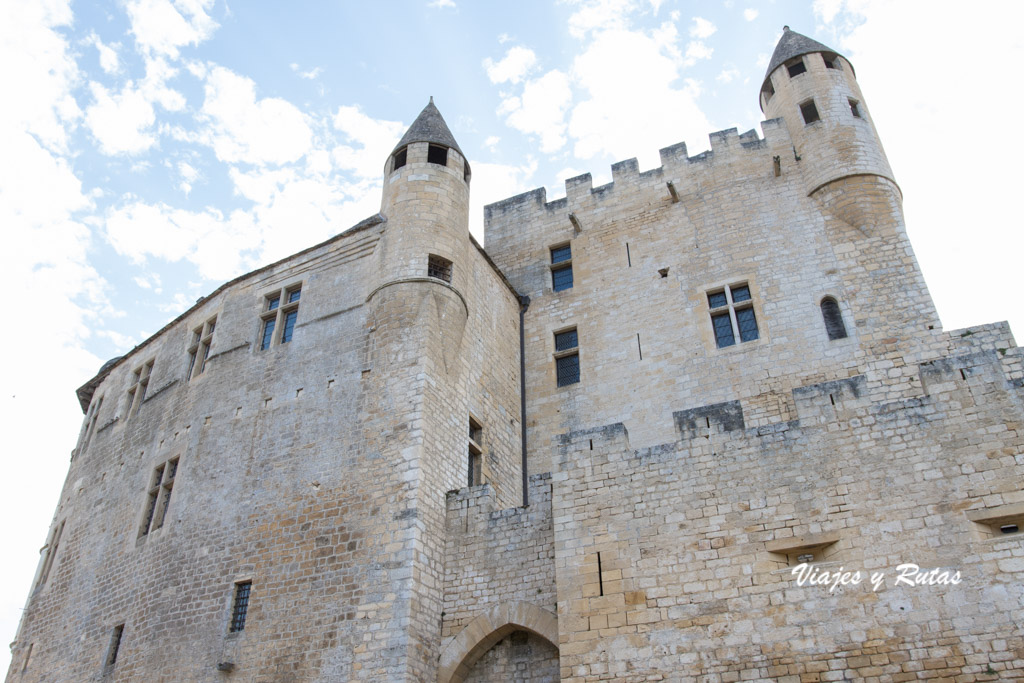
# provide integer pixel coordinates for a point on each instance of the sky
(153, 149)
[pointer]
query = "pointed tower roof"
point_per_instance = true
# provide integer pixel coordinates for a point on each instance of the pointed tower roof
(793, 44)
(429, 126)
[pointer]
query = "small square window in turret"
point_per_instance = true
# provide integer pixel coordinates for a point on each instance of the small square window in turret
(796, 67)
(440, 268)
(854, 108)
(809, 112)
(831, 60)
(437, 155)
(400, 158)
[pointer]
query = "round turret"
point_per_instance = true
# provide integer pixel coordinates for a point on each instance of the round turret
(814, 89)
(426, 203)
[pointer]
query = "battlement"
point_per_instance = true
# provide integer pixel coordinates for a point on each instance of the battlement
(728, 149)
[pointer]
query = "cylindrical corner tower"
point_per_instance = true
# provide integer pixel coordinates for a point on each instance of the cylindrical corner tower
(815, 91)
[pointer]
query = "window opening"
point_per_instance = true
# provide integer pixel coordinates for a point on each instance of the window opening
(240, 609)
(732, 315)
(90, 428)
(639, 348)
(600, 576)
(809, 112)
(199, 349)
(400, 159)
(139, 384)
(768, 91)
(439, 267)
(466, 175)
(475, 467)
(567, 358)
(280, 314)
(831, 60)
(51, 553)
(561, 268)
(158, 496)
(1009, 528)
(629, 261)
(796, 67)
(437, 155)
(115, 646)
(833, 318)
(28, 657)
(854, 107)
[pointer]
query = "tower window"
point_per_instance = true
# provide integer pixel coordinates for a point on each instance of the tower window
(202, 339)
(561, 268)
(279, 316)
(732, 315)
(137, 390)
(158, 497)
(400, 158)
(796, 67)
(51, 553)
(466, 175)
(809, 112)
(854, 107)
(475, 469)
(437, 154)
(440, 268)
(768, 91)
(831, 60)
(114, 647)
(240, 608)
(833, 318)
(567, 357)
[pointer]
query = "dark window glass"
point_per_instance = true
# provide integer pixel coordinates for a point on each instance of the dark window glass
(809, 112)
(400, 159)
(289, 325)
(241, 607)
(268, 333)
(716, 300)
(561, 278)
(568, 369)
(566, 340)
(723, 330)
(440, 268)
(294, 295)
(748, 324)
(741, 293)
(272, 304)
(559, 254)
(437, 155)
(796, 68)
(833, 319)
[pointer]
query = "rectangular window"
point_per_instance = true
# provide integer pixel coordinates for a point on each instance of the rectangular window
(400, 158)
(137, 389)
(279, 319)
(796, 67)
(241, 606)
(475, 468)
(561, 268)
(90, 422)
(439, 267)
(831, 60)
(809, 112)
(114, 647)
(51, 553)
(437, 154)
(732, 315)
(199, 350)
(567, 358)
(854, 107)
(158, 497)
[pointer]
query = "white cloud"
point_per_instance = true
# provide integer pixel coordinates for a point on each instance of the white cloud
(727, 75)
(308, 75)
(441, 4)
(241, 128)
(541, 109)
(109, 61)
(516, 63)
(826, 10)
(162, 27)
(634, 106)
(702, 28)
(491, 143)
(695, 51)
(123, 122)
(599, 15)
(41, 71)
(750, 14)
(375, 139)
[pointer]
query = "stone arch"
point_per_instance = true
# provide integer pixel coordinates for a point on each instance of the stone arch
(490, 626)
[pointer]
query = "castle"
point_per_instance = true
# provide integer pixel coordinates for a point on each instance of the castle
(596, 450)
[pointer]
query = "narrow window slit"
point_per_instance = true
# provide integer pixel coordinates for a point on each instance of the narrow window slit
(638, 347)
(600, 577)
(629, 261)
(963, 375)
(591, 444)
(832, 398)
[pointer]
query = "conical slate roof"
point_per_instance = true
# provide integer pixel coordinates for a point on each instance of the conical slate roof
(429, 126)
(793, 44)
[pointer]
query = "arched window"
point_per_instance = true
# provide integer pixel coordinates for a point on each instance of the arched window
(833, 318)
